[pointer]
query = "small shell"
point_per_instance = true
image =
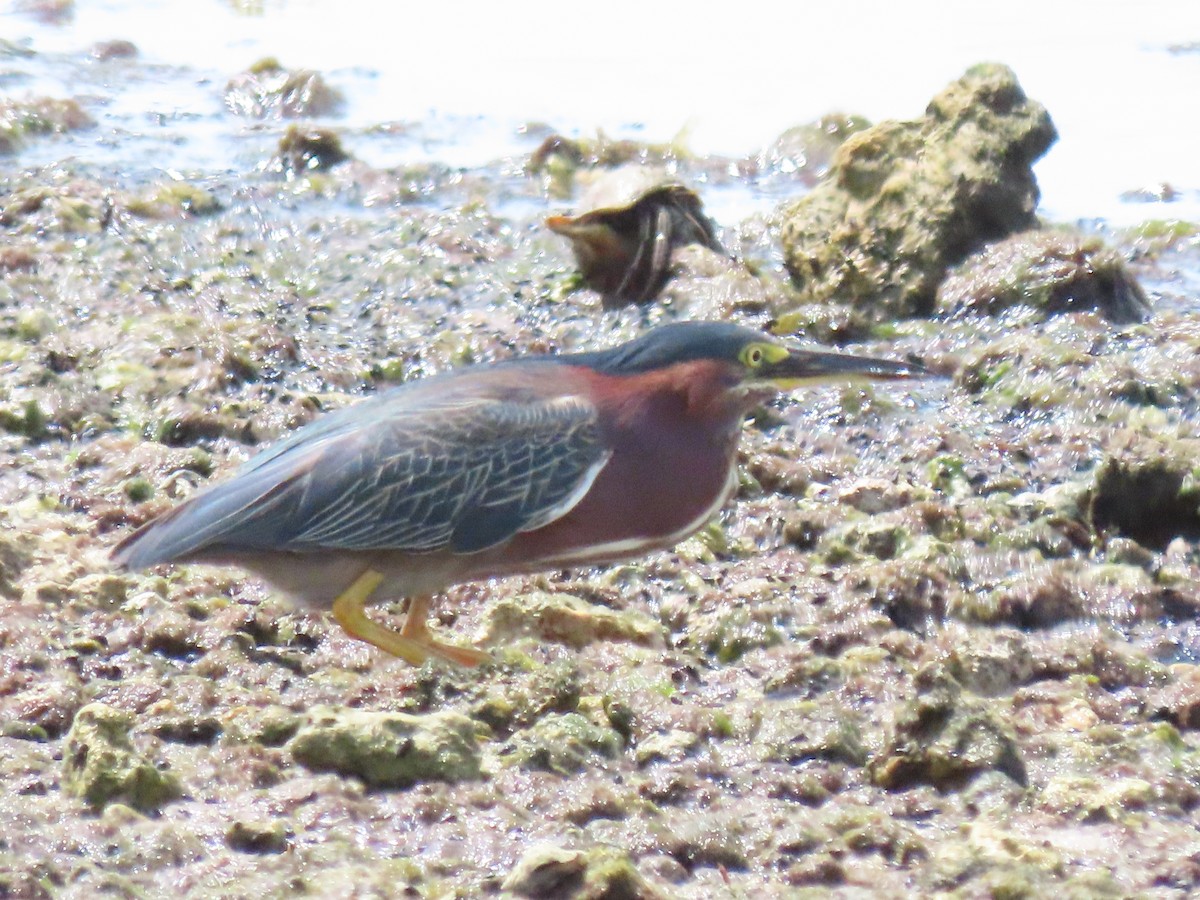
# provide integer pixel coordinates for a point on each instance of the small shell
(634, 217)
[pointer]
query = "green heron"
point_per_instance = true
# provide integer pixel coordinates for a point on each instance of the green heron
(514, 467)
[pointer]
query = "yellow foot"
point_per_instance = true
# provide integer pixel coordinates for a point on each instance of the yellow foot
(416, 629)
(414, 643)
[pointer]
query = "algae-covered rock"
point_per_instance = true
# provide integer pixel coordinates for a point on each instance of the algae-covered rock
(173, 199)
(991, 662)
(566, 620)
(598, 873)
(1149, 490)
(705, 284)
(797, 730)
(67, 208)
(672, 746)
(1179, 699)
(1049, 271)
(387, 749)
(101, 765)
(309, 150)
(15, 555)
(255, 836)
(808, 150)
(268, 90)
(944, 736)
(564, 743)
(904, 201)
(38, 115)
(731, 634)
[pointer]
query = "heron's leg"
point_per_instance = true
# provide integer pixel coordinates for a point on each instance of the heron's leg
(349, 612)
(416, 630)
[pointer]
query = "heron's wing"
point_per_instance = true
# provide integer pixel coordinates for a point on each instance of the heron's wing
(466, 479)
(462, 476)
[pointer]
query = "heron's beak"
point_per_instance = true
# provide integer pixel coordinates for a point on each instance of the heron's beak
(804, 367)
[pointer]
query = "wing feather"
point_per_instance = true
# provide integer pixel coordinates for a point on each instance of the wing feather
(462, 476)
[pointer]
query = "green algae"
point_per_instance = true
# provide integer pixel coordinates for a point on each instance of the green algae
(944, 736)
(389, 749)
(1050, 271)
(100, 764)
(1149, 490)
(904, 201)
(174, 198)
(597, 873)
(268, 90)
(22, 119)
(563, 743)
(566, 620)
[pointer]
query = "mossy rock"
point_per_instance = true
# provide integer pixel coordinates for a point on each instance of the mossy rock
(268, 90)
(173, 199)
(1049, 271)
(904, 201)
(304, 150)
(798, 730)
(944, 736)
(563, 743)
(809, 149)
(387, 749)
(100, 764)
(1147, 490)
(597, 873)
(567, 620)
(39, 115)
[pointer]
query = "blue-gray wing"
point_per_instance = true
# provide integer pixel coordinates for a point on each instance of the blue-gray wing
(467, 479)
(462, 476)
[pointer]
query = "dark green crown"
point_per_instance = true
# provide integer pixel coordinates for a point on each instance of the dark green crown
(668, 345)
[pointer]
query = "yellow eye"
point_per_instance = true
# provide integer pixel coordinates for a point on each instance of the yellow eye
(754, 355)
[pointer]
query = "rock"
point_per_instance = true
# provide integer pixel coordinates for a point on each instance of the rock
(268, 90)
(271, 726)
(991, 662)
(565, 620)
(704, 284)
(904, 201)
(1179, 700)
(38, 115)
(101, 764)
(671, 746)
(797, 730)
(1148, 490)
(104, 51)
(563, 743)
(388, 749)
(174, 199)
(15, 556)
(599, 873)
(807, 151)
(1051, 272)
(304, 150)
(732, 631)
(944, 736)
(73, 208)
(254, 836)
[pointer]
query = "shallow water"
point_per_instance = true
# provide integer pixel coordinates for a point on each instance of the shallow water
(1118, 78)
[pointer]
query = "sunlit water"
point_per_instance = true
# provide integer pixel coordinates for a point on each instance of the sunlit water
(1119, 79)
